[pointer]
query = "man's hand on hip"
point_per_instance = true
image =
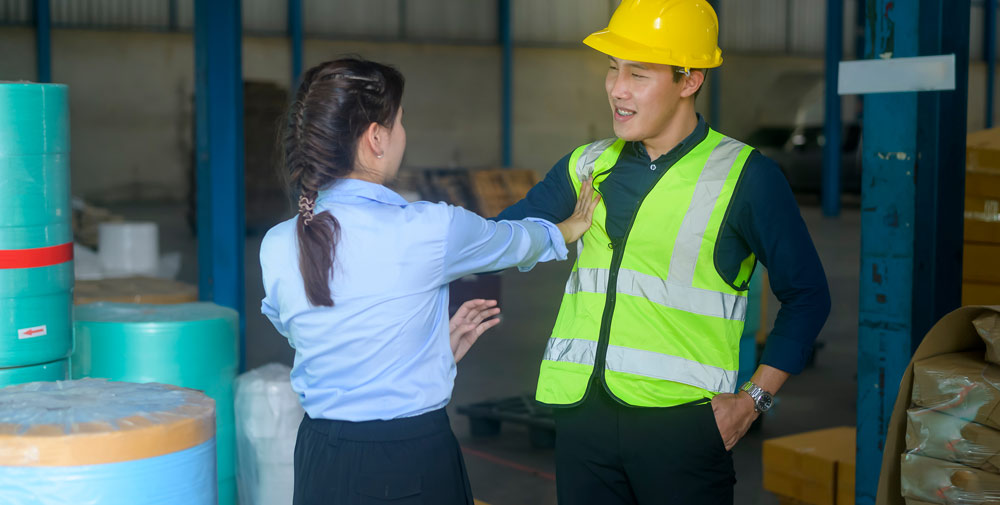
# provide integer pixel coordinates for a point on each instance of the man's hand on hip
(734, 413)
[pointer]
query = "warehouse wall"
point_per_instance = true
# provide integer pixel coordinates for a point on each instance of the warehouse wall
(132, 111)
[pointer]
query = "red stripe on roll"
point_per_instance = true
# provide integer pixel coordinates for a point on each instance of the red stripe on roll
(37, 257)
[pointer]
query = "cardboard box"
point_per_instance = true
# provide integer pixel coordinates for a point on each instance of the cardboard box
(988, 327)
(982, 152)
(497, 189)
(980, 293)
(816, 467)
(981, 262)
(953, 333)
(938, 435)
(845, 480)
(960, 384)
(983, 182)
(945, 482)
(134, 290)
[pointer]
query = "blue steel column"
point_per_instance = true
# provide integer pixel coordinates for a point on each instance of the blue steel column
(941, 137)
(832, 126)
(912, 208)
(505, 30)
(990, 54)
(295, 34)
(887, 218)
(715, 89)
(43, 41)
(219, 131)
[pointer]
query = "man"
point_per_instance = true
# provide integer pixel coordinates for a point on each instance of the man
(642, 360)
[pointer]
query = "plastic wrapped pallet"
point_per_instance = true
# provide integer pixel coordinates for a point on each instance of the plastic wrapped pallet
(988, 327)
(954, 333)
(96, 442)
(947, 483)
(961, 385)
(268, 414)
(937, 435)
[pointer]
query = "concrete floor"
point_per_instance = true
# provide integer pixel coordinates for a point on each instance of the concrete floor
(506, 470)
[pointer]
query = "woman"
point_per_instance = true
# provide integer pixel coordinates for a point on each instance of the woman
(358, 283)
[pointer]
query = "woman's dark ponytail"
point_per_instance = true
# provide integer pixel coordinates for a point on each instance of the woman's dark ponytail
(333, 107)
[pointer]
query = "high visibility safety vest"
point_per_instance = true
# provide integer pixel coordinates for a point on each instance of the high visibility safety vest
(650, 314)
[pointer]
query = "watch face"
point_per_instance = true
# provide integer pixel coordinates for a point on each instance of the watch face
(764, 403)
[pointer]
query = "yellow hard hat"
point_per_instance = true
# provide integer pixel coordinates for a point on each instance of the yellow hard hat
(684, 33)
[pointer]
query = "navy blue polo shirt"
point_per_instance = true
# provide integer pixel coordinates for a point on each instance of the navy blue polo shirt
(763, 218)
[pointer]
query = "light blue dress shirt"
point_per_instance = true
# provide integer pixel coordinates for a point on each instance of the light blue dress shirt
(382, 351)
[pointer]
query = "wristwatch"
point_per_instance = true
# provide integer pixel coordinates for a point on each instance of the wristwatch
(762, 400)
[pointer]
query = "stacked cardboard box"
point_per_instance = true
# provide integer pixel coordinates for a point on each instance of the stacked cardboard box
(814, 468)
(981, 258)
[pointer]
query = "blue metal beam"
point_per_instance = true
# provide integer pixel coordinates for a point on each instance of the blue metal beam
(504, 31)
(887, 217)
(295, 33)
(941, 137)
(832, 123)
(43, 41)
(911, 203)
(715, 89)
(990, 54)
(219, 132)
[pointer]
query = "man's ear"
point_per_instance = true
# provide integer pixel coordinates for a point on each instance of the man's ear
(692, 83)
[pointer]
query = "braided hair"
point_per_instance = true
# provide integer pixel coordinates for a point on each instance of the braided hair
(334, 105)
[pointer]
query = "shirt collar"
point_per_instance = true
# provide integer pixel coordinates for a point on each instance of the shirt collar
(699, 134)
(346, 190)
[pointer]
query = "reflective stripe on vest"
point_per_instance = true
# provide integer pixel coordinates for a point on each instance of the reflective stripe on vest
(675, 296)
(644, 363)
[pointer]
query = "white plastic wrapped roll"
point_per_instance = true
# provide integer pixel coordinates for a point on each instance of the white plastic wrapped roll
(268, 414)
(129, 248)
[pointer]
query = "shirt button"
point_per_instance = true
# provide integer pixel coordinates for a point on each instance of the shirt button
(652, 167)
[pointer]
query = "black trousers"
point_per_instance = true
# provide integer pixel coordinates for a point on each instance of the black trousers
(611, 454)
(406, 461)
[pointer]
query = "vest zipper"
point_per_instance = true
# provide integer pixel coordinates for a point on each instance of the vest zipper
(604, 338)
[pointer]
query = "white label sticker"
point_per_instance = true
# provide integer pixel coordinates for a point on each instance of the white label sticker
(36, 331)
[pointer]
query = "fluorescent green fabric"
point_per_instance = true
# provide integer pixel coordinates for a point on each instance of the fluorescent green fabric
(653, 309)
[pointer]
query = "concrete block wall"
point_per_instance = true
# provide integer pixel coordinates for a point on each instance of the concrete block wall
(132, 111)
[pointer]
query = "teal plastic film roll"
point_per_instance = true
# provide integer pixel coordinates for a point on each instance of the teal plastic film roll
(54, 371)
(192, 345)
(36, 269)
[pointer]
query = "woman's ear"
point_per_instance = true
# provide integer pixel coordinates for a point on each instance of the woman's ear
(374, 137)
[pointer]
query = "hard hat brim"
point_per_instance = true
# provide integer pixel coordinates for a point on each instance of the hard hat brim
(620, 47)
